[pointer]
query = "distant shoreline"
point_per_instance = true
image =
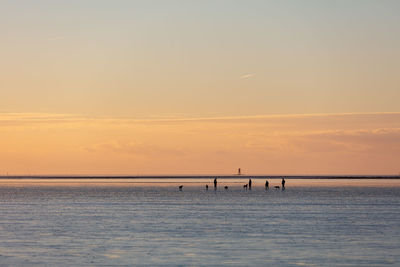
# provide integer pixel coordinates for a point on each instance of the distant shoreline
(200, 176)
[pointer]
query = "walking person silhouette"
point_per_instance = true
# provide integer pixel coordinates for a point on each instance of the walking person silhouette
(249, 184)
(215, 183)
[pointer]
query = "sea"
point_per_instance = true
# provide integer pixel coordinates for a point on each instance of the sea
(150, 222)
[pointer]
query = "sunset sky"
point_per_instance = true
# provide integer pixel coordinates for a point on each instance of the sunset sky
(199, 87)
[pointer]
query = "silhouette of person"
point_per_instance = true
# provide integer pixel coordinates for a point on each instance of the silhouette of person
(283, 183)
(206, 186)
(215, 183)
(266, 184)
(249, 183)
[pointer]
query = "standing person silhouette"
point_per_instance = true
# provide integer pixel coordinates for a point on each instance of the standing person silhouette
(266, 184)
(250, 184)
(283, 183)
(215, 183)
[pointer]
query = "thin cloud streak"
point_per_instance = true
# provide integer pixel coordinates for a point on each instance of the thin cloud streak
(24, 118)
(246, 76)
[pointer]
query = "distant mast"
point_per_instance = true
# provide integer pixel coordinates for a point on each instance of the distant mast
(239, 172)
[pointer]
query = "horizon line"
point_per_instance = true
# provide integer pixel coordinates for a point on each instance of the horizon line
(209, 176)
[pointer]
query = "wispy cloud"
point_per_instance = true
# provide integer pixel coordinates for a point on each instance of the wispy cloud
(37, 118)
(386, 140)
(21, 119)
(248, 75)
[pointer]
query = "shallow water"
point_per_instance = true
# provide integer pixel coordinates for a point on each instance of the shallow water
(102, 223)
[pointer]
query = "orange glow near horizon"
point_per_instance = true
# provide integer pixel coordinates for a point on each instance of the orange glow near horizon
(288, 144)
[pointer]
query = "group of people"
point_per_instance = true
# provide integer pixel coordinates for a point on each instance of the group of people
(250, 183)
(276, 187)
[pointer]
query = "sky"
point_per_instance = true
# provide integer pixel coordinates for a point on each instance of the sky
(199, 87)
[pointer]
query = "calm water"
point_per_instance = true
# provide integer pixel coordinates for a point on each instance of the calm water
(97, 223)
